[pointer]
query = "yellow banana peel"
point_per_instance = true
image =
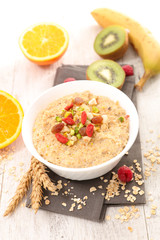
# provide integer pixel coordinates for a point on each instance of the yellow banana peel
(141, 39)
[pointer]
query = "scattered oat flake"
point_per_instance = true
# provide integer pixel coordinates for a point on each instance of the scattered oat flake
(108, 217)
(130, 229)
(45, 197)
(153, 212)
(72, 207)
(131, 198)
(150, 199)
(126, 213)
(117, 216)
(154, 207)
(54, 193)
(64, 204)
(141, 192)
(47, 202)
(85, 197)
(137, 215)
(79, 206)
(6, 154)
(21, 164)
(93, 189)
(105, 180)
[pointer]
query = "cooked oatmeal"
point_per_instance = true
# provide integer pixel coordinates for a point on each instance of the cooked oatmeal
(81, 130)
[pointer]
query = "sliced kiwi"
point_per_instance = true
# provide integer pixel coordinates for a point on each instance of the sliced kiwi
(111, 42)
(107, 71)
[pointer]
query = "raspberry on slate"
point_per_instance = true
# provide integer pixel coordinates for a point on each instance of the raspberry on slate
(69, 80)
(128, 70)
(125, 174)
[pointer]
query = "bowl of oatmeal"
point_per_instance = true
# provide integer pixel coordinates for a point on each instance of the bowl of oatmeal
(81, 129)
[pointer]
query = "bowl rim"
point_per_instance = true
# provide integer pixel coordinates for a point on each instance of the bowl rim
(79, 170)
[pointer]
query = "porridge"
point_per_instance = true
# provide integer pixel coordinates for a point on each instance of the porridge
(81, 130)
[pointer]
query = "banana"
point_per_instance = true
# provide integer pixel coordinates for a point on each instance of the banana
(141, 39)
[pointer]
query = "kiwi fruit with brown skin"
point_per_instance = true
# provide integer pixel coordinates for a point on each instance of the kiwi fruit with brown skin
(106, 71)
(112, 42)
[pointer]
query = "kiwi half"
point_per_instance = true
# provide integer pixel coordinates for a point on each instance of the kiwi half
(111, 42)
(106, 71)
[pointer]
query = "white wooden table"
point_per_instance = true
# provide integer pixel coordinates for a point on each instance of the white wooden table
(26, 80)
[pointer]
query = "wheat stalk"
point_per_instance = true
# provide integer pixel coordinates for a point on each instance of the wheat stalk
(37, 171)
(40, 172)
(21, 191)
(36, 195)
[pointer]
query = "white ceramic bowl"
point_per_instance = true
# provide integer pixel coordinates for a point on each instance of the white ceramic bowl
(63, 89)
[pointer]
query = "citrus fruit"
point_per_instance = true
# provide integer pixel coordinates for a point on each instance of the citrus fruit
(11, 116)
(44, 43)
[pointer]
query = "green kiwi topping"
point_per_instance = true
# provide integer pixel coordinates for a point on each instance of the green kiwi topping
(106, 71)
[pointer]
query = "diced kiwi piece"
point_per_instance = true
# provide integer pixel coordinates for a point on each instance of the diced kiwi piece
(107, 71)
(111, 42)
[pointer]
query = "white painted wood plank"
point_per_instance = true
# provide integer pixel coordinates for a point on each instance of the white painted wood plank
(149, 106)
(6, 84)
(26, 81)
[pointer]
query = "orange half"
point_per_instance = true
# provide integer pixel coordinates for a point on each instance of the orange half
(11, 116)
(44, 43)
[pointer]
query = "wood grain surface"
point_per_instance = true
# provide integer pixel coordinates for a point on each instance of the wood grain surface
(25, 81)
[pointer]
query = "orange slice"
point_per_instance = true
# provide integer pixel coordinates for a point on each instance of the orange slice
(11, 116)
(44, 43)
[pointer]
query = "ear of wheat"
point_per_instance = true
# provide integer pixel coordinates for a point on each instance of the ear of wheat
(37, 173)
(40, 172)
(21, 191)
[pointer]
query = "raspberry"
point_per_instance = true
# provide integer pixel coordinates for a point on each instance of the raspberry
(125, 174)
(128, 70)
(69, 80)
